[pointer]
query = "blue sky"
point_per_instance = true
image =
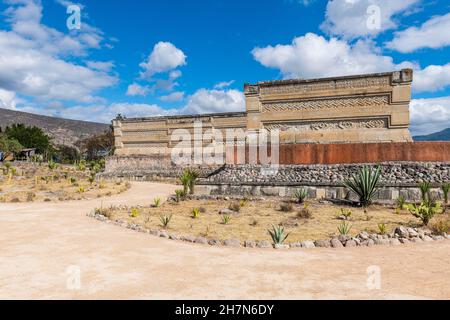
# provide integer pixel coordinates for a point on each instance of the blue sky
(145, 58)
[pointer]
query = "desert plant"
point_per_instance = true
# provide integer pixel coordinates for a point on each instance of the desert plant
(73, 180)
(278, 235)
(441, 226)
(185, 181)
(195, 213)
(226, 218)
(425, 188)
(156, 202)
(286, 207)
(344, 228)
(401, 202)
(6, 167)
(446, 190)
(193, 176)
(382, 229)
(365, 184)
(52, 165)
(425, 211)
(81, 190)
(134, 212)
(300, 195)
(243, 203)
(81, 165)
(179, 194)
(346, 213)
(235, 206)
(165, 220)
(305, 213)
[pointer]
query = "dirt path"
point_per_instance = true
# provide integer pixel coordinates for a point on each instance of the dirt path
(44, 246)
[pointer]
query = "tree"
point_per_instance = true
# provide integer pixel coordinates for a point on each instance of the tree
(98, 146)
(8, 145)
(30, 137)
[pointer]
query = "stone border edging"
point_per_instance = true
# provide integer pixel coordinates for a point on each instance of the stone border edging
(401, 235)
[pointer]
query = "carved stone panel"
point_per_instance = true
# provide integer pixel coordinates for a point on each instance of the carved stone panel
(336, 103)
(329, 125)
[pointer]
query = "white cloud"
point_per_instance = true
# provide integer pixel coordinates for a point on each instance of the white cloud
(224, 84)
(312, 56)
(105, 66)
(213, 101)
(173, 97)
(432, 78)
(431, 34)
(430, 115)
(8, 99)
(165, 57)
(136, 89)
(31, 62)
(360, 18)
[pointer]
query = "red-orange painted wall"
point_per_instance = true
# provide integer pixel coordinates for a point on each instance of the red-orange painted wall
(357, 153)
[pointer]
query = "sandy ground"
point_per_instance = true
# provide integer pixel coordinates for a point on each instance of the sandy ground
(53, 251)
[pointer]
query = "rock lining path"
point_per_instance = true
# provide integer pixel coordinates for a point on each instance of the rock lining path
(40, 244)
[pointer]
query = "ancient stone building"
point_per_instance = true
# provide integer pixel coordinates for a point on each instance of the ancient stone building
(362, 108)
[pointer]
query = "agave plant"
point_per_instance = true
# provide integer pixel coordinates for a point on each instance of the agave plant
(365, 184)
(401, 202)
(300, 195)
(195, 213)
(344, 228)
(382, 228)
(165, 220)
(226, 218)
(425, 188)
(425, 211)
(193, 176)
(185, 181)
(278, 235)
(156, 202)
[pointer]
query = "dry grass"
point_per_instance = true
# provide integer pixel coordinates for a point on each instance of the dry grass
(253, 220)
(39, 183)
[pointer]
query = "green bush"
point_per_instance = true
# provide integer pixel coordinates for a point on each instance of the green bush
(226, 218)
(382, 228)
(278, 235)
(401, 202)
(365, 184)
(195, 213)
(300, 195)
(156, 202)
(165, 220)
(344, 228)
(425, 211)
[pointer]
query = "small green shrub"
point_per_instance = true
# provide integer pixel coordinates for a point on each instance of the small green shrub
(179, 194)
(382, 229)
(243, 203)
(300, 195)
(81, 190)
(346, 213)
(195, 213)
(156, 202)
(425, 211)
(401, 202)
(165, 220)
(278, 235)
(226, 219)
(134, 213)
(344, 228)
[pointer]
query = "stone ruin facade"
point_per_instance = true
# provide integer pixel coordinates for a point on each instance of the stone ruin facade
(351, 109)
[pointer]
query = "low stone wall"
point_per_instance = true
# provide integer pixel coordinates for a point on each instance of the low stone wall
(324, 181)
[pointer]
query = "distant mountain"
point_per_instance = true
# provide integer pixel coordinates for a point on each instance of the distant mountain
(438, 136)
(62, 131)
